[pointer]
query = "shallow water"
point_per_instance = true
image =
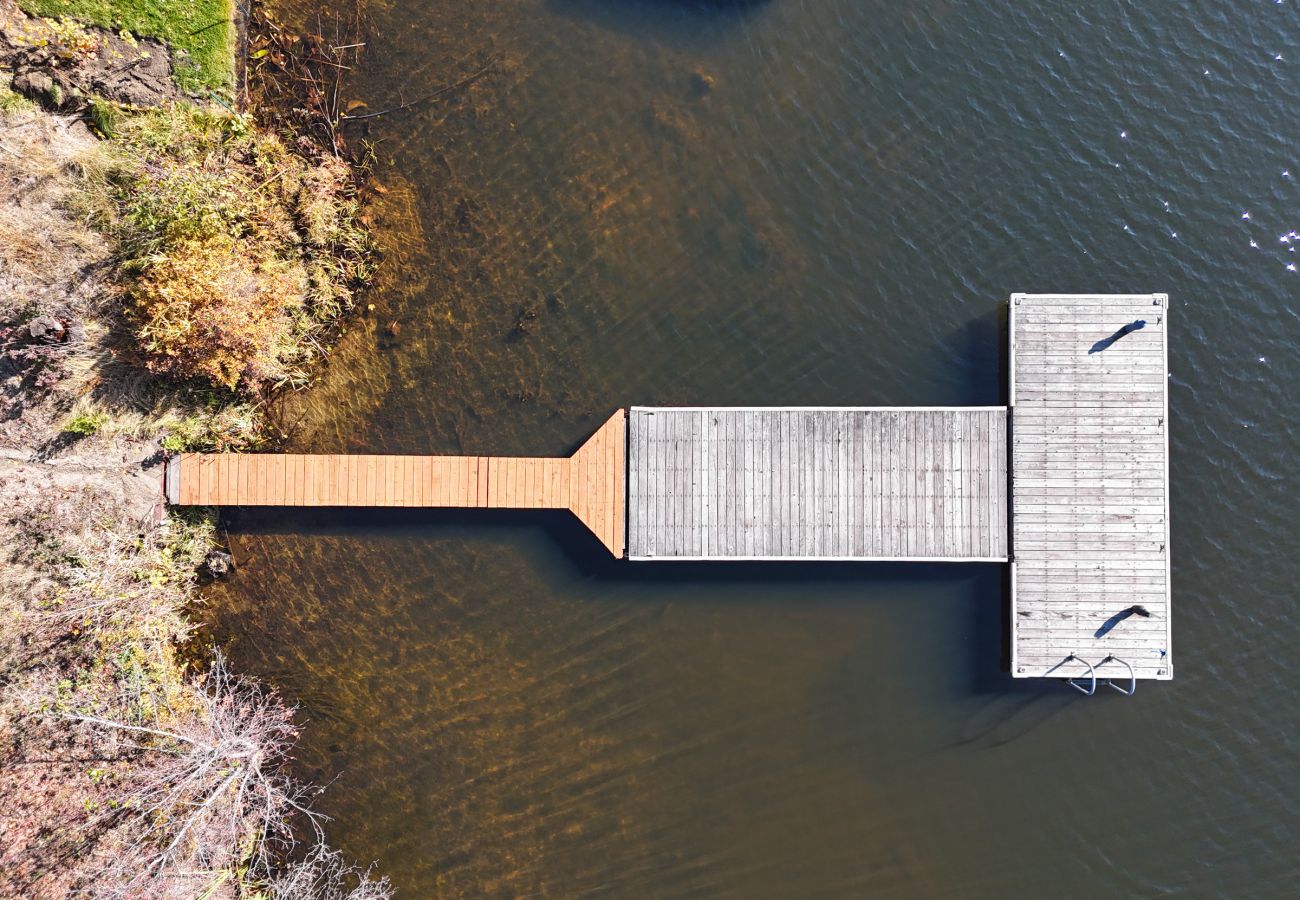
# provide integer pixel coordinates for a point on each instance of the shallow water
(836, 219)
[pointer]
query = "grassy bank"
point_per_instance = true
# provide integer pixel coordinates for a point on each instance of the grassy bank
(203, 29)
(166, 270)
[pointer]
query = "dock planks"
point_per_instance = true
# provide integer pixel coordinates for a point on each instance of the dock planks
(817, 483)
(590, 483)
(1089, 486)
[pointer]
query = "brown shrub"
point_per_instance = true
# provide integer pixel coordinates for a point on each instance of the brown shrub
(238, 254)
(209, 308)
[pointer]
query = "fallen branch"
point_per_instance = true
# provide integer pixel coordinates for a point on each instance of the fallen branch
(119, 726)
(217, 798)
(446, 89)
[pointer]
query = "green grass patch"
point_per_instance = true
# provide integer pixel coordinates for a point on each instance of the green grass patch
(85, 423)
(204, 29)
(11, 100)
(103, 116)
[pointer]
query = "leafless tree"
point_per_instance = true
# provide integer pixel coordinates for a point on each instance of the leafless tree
(216, 799)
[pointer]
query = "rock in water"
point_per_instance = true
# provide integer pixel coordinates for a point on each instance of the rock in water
(218, 563)
(701, 83)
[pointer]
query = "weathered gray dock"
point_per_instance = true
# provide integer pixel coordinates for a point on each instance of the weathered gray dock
(1090, 487)
(817, 483)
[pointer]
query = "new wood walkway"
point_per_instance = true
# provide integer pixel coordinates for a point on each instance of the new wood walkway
(1089, 486)
(589, 483)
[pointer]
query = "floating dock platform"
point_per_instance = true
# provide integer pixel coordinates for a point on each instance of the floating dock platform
(1069, 484)
(1090, 486)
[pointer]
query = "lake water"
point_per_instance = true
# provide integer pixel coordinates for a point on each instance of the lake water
(791, 202)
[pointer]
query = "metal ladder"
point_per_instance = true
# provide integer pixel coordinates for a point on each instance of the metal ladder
(1091, 683)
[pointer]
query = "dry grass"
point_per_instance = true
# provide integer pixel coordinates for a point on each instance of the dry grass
(240, 289)
(125, 775)
(205, 307)
(124, 772)
(42, 249)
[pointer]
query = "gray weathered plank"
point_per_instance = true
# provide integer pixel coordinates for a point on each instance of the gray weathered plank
(852, 483)
(1089, 486)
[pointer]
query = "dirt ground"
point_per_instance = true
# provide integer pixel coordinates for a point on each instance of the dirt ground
(61, 69)
(51, 264)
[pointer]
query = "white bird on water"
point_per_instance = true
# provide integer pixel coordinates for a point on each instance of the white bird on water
(1245, 215)
(1290, 267)
(1286, 173)
(1253, 243)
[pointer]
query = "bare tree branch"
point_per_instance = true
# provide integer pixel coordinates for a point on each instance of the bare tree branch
(219, 798)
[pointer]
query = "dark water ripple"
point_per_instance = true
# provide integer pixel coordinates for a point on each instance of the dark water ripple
(834, 221)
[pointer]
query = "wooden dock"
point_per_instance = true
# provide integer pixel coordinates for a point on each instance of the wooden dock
(1089, 486)
(590, 483)
(1077, 499)
(818, 483)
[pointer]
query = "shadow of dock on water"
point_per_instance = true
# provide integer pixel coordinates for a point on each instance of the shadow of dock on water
(977, 653)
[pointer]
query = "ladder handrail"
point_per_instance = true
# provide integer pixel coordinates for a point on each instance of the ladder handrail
(1132, 677)
(1092, 688)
